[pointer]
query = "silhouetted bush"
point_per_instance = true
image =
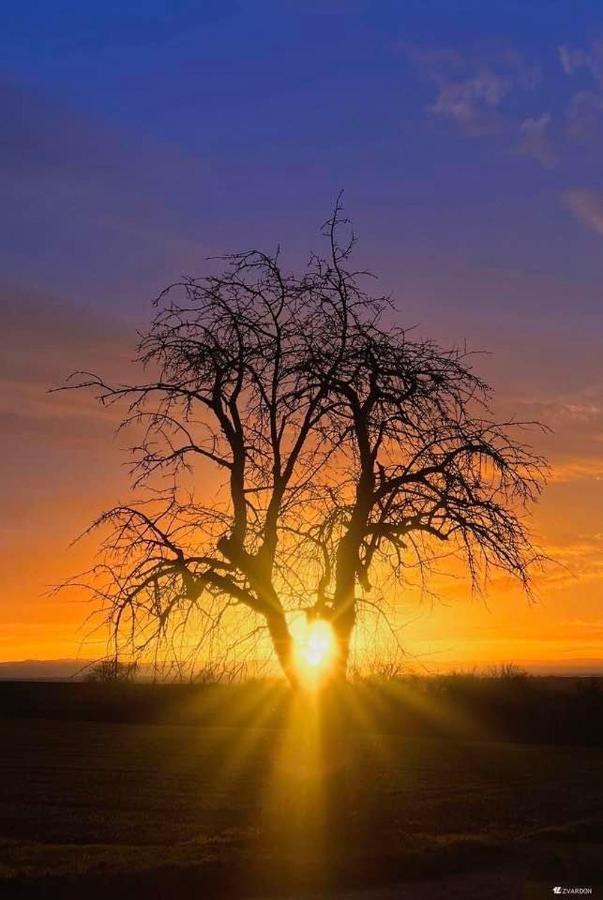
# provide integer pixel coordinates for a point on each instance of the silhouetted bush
(112, 670)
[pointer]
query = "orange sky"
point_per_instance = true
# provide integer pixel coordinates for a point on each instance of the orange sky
(64, 465)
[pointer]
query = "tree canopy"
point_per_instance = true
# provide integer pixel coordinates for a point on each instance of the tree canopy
(292, 443)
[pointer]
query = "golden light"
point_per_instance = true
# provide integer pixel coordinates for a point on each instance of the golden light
(315, 648)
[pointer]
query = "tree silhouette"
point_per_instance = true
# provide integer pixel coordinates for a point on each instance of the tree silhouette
(293, 447)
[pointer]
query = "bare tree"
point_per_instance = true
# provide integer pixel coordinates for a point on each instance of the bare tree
(293, 446)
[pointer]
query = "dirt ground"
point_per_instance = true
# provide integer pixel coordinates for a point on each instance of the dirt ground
(104, 809)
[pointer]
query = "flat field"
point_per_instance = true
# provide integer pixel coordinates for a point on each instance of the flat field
(117, 809)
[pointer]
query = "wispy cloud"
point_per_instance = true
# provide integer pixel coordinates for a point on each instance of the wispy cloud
(485, 93)
(577, 470)
(584, 112)
(587, 206)
(472, 89)
(43, 340)
(472, 102)
(478, 94)
(535, 140)
(576, 59)
(584, 115)
(579, 560)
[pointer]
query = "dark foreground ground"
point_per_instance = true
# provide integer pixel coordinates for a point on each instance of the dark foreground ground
(302, 803)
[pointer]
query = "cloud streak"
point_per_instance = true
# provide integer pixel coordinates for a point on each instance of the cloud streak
(587, 207)
(479, 96)
(472, 102)
(575, 59)
(470, 89)
(535, 140)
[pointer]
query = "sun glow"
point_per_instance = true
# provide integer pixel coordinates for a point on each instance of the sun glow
(315, 648)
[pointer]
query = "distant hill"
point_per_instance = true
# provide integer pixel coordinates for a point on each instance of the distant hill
(68, 669)
(42, 669)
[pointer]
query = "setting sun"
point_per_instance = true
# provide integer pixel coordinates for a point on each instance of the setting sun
(315, 648)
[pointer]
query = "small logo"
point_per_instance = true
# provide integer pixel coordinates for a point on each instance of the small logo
(572, 891)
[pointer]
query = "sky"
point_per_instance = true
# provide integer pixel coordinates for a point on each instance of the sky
(140, 138)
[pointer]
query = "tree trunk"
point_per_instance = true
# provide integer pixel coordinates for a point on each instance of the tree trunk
(283, 646)
(344, 600)
(343, 625)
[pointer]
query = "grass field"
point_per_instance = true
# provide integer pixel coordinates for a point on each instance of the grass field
(115, 809)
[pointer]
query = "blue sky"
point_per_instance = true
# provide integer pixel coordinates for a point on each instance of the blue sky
(162, 129)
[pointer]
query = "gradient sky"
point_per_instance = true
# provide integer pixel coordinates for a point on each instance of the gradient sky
(138, 139)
